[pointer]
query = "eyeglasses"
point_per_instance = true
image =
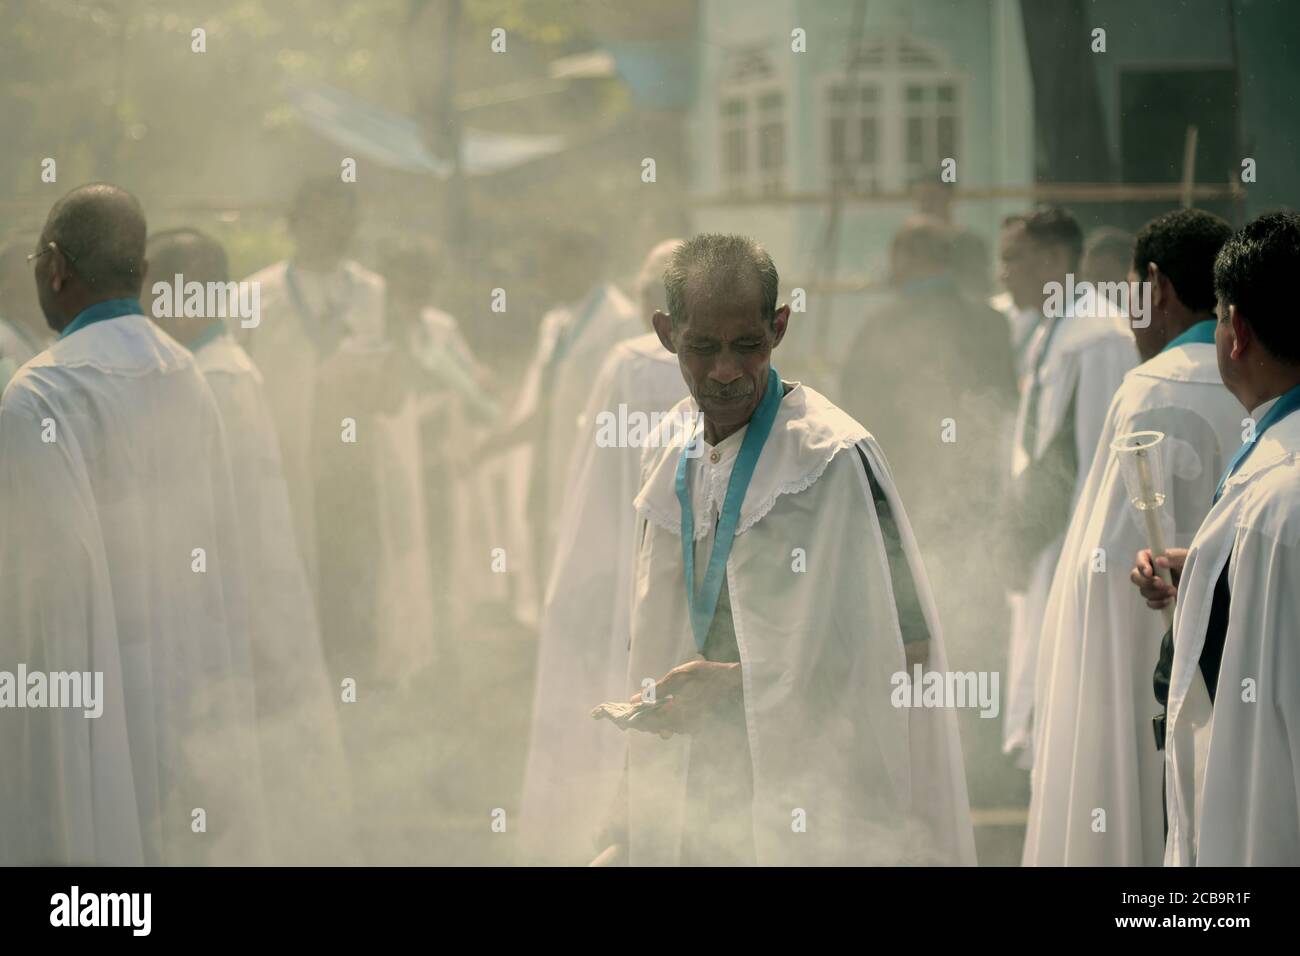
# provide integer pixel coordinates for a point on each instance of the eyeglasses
(48, 246)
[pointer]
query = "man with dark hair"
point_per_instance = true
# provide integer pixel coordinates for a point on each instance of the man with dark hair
(120, 562)
(350, 451)
(1093, 742)
(1075, 360)
(779, 594)
(1232, 682)
(1035, 249)
(1175, 254)
(297, 728)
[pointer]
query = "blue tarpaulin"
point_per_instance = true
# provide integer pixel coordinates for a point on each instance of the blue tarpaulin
(396, 141)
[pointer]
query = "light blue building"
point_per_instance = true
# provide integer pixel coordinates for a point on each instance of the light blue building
(779, 115)
(795, 97)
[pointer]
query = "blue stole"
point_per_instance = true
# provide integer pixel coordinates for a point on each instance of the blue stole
(1202, 332)
(100, 311)
(1284, 406)
(213, 332)
(760, 425)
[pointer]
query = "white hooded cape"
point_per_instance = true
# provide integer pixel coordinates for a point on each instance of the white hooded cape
(1094, 744)
(98, 530)
(297, 726)
(1233, 769)
(877, 783)
(1087, 359)
(574, 764)
(289, 365)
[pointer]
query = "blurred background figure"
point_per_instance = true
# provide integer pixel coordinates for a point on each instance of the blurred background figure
(297, 725)
(930, 376)
(349, 441)
(572, 341)
(574, 764)
(445, 392)
(1107, 257)
(1075, 362)
(23, 331)
(1022, 274)
(970, 265)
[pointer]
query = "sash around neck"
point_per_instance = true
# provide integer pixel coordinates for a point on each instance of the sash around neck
(703, 607)
(1288, 403)
(808, 433)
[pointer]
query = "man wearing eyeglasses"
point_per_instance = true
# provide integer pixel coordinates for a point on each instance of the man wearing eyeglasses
(119, 566)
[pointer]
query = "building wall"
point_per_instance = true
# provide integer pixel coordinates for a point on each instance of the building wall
(980, 42)
(1268, 37)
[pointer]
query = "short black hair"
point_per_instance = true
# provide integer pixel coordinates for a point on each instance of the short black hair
(101, 227)
(1183, 244)
(191, 253)
(1053, 226)
(1255, 271)
(723, 258)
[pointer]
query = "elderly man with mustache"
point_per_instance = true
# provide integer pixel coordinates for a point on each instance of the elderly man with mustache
(778, 603)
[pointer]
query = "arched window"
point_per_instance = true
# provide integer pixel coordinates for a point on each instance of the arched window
(891, 117)
(752, 125)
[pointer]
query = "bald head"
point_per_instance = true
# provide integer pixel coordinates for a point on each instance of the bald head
(100, 229)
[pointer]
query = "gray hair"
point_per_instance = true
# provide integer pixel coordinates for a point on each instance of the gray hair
(724, 259)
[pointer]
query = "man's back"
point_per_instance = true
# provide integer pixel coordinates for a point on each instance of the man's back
(119, 555)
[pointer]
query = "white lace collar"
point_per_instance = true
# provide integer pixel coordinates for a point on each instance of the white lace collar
(808, 432)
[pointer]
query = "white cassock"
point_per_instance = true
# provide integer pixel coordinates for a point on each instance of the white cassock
(572, 342)
(1233, 767)
(1094, 747)
(282, 349)
(575, 764)
(839, 774)
(100, 571)
(297, 727)
(1079, 367)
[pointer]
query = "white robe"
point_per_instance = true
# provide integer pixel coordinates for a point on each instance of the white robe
(1094, 744)
(98, 533)
(818, 648)
(1086, 359)
(1233, 769)
(289, 365)
(1021, 325)
(574, 764)
(297, 726)
(572, 342)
